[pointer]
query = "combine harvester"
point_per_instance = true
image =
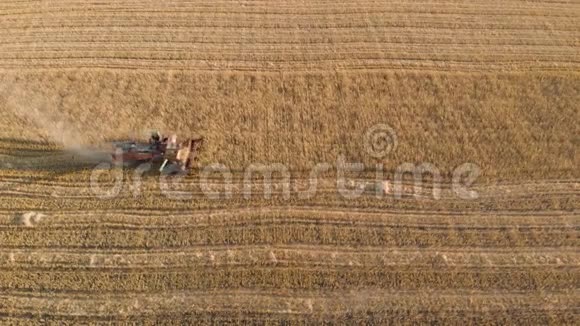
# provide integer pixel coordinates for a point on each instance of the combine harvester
(174, 156)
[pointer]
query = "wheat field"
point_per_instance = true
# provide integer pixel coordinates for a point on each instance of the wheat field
(495, 84)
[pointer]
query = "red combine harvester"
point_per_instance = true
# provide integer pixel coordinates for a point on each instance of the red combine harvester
(173, 156)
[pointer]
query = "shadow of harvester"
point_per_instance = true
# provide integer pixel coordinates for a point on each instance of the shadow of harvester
(28, 155)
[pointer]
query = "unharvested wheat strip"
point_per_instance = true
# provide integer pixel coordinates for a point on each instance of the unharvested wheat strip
(324, 278)
(297, 16)
(336, 29)
(526, 85)
(272, 62)
(147, 203)
(558, 223)
(302, 7)
(314, 233)
(277, 61)
(313, 8)
(302, 256)
(349, 216)
(565, 28)
(208, 65)
(309, 210)
(375, 273)
(522, 223)
(276, 22)
(180, 34)
(513, 316)
(284, 234)
(145, 43)
(265, 56)
(352, 263)
(316, 18)
(294, 9)
(483, 298)
(273, 22)
(300, 3)
(570, 253)
(283, 293)
(72, 222)
(348, 47)
(152, 43)
(279, 21)
(309, 304)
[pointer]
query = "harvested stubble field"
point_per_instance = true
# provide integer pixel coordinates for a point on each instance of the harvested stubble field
(493, 83)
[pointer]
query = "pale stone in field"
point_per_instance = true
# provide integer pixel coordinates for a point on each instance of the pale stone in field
(386, 187)
(273, 257)
(29, 219)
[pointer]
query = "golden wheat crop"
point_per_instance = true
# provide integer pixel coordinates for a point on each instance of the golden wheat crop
(492, 83)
